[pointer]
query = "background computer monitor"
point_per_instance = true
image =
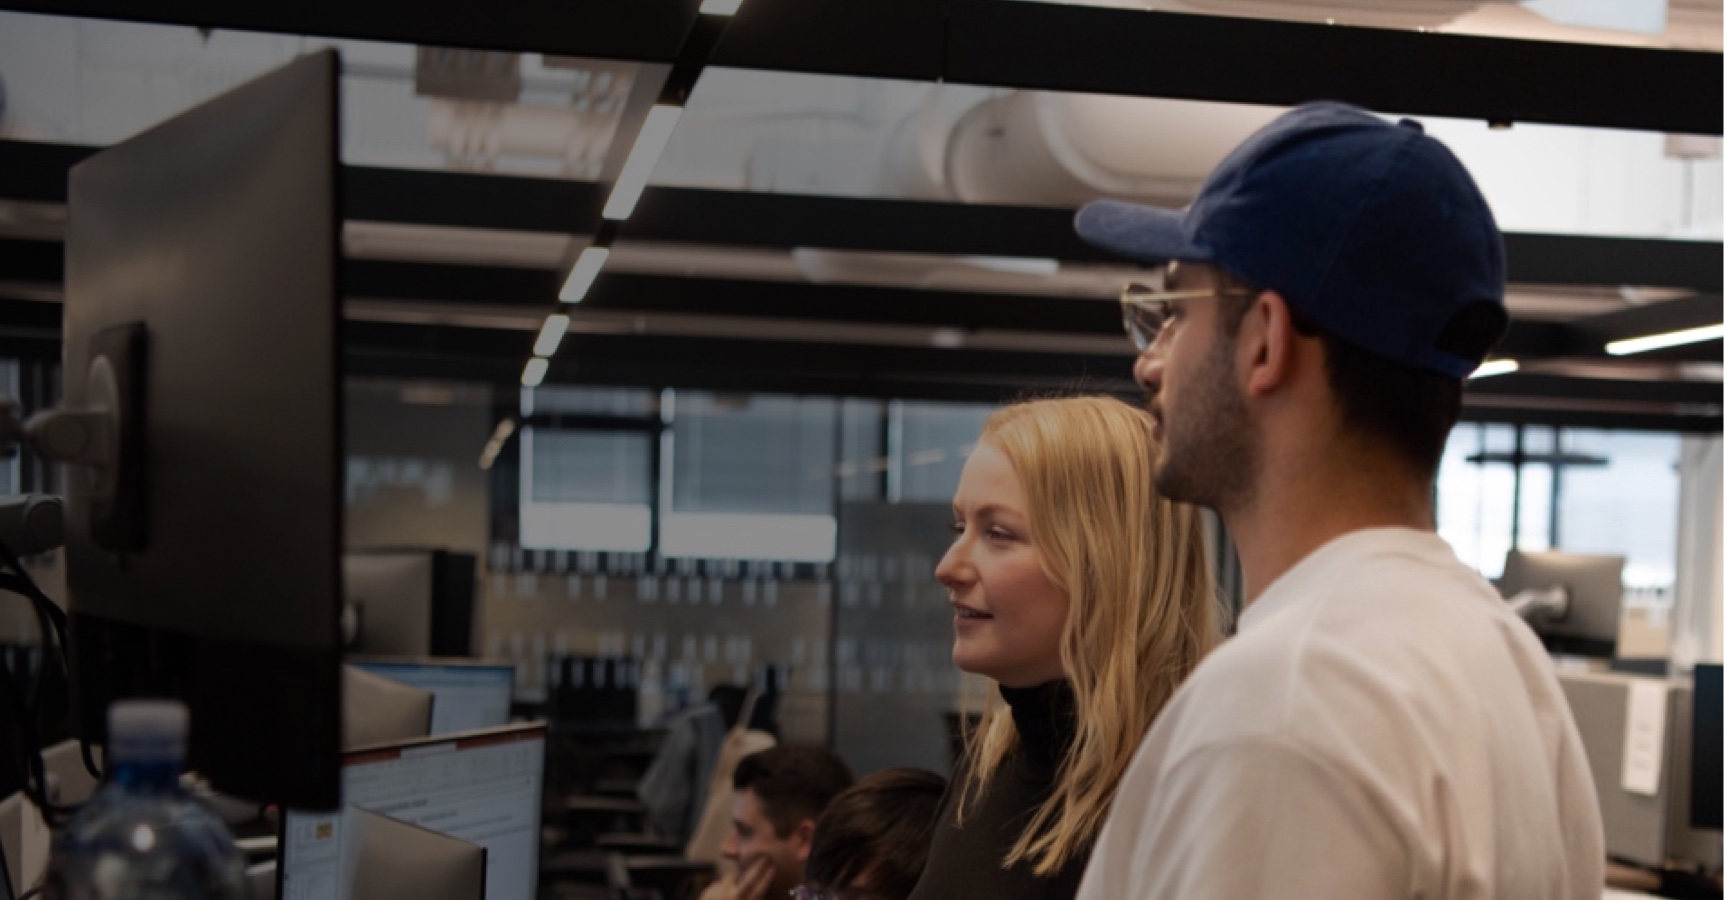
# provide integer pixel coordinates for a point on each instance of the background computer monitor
(1706, 799)
(384, 858)
(480, 787)
(469, 693)
(411, 602)
(201, 263)
(376, 709)
(1594, 585)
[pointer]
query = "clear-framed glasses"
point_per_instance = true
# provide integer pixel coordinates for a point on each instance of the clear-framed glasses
(1145, 310)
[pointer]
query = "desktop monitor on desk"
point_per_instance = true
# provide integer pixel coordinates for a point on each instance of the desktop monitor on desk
(202, 319)
(482, 787)
(410, 602)
(1587, 626)
(468, 693)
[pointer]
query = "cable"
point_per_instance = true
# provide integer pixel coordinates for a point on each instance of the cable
(25, 706)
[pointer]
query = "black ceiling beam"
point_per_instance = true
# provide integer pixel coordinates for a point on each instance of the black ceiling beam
(474, 285)
(855, 223)
(1568, 417)
(37, 172)
(644, 30)
(1232, 59)
(728, 297)
(900, 39)
(1576, 259)
(1041, 46)
(1602, 390)
(40, 262)
(465, 200)
(741, 218)
(1664, 316)
(864, 360)
(1243, 60)
(855, 304)
(25, 260)
(426, 351)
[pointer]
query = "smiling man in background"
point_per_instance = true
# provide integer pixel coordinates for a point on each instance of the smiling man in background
(780, 794)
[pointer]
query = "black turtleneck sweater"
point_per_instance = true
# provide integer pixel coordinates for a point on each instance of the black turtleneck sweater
(967, 862)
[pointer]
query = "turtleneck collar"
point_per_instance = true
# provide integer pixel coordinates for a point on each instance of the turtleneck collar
(1046, 721)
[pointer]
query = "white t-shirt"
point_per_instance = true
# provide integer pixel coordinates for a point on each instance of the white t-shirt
(1381, 726)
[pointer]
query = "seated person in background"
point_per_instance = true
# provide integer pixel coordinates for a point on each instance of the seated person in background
(873, 840)
(780, 794)
(1086, 597)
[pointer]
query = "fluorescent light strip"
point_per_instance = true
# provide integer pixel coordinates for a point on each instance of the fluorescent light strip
(551, 335)
(643, 157)
(720, 7)
(1660, 341)
(534, 374)
(494, 446)
(1495, 367)
(586, 268)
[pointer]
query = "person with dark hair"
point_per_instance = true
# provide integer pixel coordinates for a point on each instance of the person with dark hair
(872, 842)
(780, 794)
(1381, 725)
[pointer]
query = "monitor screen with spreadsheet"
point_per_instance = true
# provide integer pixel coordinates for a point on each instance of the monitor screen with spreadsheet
(469, 693)
(482, 787)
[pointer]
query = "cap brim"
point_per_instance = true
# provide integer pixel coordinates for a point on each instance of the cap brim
(1147, 234)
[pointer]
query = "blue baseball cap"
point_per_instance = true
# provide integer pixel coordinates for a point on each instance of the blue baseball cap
(1373, 231)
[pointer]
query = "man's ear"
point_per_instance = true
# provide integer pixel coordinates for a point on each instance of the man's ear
(1269, 344)
(802, 838)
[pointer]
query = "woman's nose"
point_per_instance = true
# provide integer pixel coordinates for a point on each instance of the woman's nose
(953, 568)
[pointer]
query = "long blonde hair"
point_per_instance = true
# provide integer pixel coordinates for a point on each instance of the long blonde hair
(1143, 608)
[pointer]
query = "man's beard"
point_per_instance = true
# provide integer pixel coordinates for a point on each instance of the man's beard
(1209, 448)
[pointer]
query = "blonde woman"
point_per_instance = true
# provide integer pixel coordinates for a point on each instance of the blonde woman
(1087, 598)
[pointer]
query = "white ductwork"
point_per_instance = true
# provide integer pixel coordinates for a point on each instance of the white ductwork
(1034, 148)
(473, 135)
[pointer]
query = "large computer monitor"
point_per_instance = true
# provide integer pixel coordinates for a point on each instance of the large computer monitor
(482, 787)
(1593, 587)
(202, 311)
(1706, 778)
(468, 693)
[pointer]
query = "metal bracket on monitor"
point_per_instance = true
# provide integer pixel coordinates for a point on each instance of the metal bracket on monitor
(103, 440)
(1549, 603)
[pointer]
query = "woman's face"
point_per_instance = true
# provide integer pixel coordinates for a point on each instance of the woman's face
(1008, 613)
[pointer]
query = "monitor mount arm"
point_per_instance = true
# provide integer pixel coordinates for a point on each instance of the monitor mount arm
(102, 439)
(1547, 603)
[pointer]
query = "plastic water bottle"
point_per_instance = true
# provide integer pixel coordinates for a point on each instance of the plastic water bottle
(141, 837)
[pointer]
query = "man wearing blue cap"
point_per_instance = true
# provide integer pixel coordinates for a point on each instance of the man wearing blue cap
(1381, 725)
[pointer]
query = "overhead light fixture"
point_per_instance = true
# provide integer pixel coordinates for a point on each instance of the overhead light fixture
(1668, 339)
(551, 335)
(534, 374)
(1495, 367)
(494, 446)
(720, 7)
(586, 268)
(643, 158)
